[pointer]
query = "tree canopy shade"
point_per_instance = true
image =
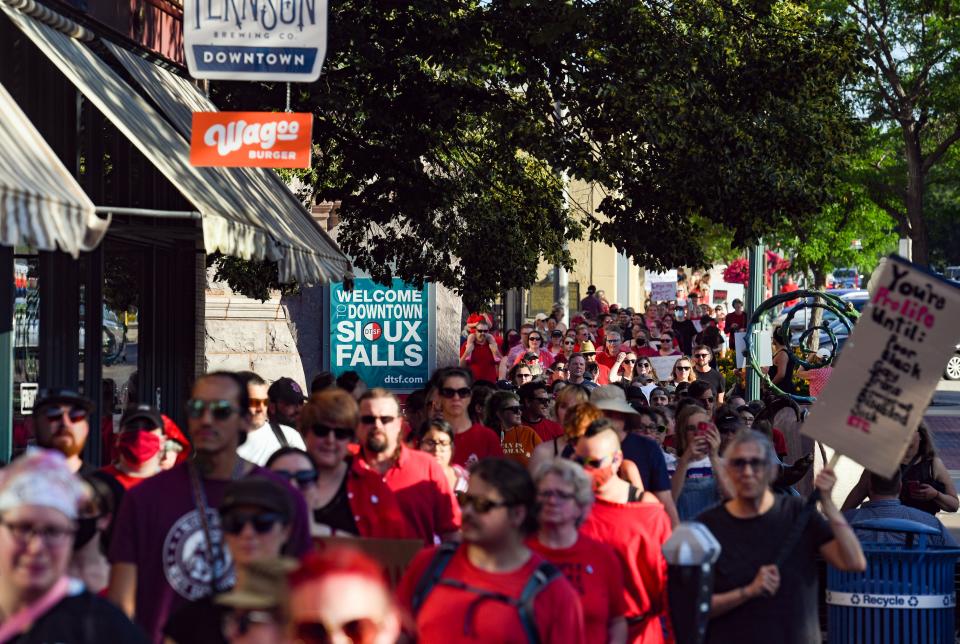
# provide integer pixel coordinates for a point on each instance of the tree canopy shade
(910, 90)
(444, 126)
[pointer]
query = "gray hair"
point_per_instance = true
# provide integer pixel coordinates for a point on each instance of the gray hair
(751, 436)
(571, 474)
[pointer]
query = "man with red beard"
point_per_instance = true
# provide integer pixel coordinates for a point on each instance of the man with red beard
(61, 423)
(633, 523)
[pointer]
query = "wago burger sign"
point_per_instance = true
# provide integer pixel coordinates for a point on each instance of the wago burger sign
(255, 139)
(256, 40)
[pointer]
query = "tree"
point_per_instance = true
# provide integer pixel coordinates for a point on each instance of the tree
(910, 90)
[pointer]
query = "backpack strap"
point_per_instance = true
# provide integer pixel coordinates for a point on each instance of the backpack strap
(279, 434)
(634, 494)
(545, 573)
(431, 576)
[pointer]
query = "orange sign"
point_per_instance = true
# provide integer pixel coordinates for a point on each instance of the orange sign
(257, 139)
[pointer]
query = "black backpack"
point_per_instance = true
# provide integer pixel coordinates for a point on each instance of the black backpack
(433, 575)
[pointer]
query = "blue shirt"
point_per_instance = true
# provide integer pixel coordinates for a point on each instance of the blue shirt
(647, 456)
(893, 509)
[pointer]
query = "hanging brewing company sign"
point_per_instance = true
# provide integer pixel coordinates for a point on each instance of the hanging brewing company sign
(263, 40)
(256, 139)
(381, 332)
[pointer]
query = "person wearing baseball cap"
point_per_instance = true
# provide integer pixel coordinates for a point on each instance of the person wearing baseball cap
(139, 446)
(61, 422)
(286, 400)
(267, 435)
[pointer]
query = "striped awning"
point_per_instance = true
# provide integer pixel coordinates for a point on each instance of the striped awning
(242, 213)
(41, 204)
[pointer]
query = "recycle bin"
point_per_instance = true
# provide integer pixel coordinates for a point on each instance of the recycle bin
(906, 595)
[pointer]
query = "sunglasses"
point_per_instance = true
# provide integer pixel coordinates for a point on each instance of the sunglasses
(741, 464)
(259, 403)
(481, 505)
(239, 622)
(701, 355)
(660, 429)
(542, 400)
(75, 414)
(683, 368)
(263, 522)
(340, 433)
(449, 392)
(535, 338)
(592, 463)
(631, 362)
(219, 409)
(708, 399)
(512, 410)
(139, 425)
(372, 420)
(362, 630)
(569, 342)
(303, 478)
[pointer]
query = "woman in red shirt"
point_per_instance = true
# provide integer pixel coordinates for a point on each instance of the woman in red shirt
(565, 496)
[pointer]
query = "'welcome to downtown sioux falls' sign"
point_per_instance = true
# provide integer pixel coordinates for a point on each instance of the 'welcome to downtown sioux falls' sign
(384, 333)
(889, 368)
(261, 40)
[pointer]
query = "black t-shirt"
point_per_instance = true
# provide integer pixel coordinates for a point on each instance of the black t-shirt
(199, 622)
(790, 616)
(713, 378)
(83, 619)
(648, 457)
(686, 332)
(337, 513)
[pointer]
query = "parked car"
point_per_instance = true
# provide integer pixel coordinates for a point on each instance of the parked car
(801, 320)
(846, 278)
(952, 370)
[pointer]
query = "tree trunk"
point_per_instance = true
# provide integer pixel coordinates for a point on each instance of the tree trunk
(914, 197)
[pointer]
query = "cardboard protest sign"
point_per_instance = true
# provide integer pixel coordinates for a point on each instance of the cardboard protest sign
(381, 332)
(663, 291)
(889, 367)
(663, 366)
(251, 139)
(393, 554)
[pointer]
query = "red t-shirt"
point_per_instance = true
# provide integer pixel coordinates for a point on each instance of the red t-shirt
(779, 442)
(375, 508)
(594, 571)
(606, 359)
(636, 531)
(482, 363)
(443, 616)
(423, 493)
(603, 377)
(476, 443)
(124, 479)
(546, 429)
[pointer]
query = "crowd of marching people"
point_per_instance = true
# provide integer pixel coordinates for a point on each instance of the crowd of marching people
(536, 482)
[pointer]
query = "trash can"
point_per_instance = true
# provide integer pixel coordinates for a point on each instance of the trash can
(906, 595)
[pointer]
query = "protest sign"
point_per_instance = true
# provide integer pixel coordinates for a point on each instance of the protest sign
(663, 366)
(272, 41)
(889, 367)
(663, 291)
(255, 139)
(381, 332)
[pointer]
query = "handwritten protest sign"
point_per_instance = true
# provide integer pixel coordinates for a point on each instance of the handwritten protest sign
(889, 368)
(663, 291)
(663, 365)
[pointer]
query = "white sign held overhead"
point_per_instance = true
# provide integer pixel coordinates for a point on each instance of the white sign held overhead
(889, 367)
(269, 40)
(663, 291)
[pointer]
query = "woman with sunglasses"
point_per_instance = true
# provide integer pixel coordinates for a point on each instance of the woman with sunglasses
(504, 415)
(255, 520)
(624, 368)
(565, 495)
(298, 468)
(436, 438)
(683, 371)
(666, 347)
(350, 500)
(473, 441)
(536, 344)
(555, 347)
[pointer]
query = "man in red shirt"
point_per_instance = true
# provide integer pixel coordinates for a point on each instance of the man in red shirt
(632, 522)
(139, 446)
(420, 484)
(535, 399)
(480, 353)
(492, 588)
(471, 441)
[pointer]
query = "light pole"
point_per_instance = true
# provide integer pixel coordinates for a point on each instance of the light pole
(754, 298)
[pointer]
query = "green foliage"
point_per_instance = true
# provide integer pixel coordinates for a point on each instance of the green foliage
(251, 278)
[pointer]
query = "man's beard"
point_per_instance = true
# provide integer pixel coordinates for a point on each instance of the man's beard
(376, 443)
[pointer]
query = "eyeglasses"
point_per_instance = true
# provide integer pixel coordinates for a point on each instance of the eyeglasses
(372, 420)
(559, 495)
(358, 631)
(259, 403)
(74, 413)
(740, 464)
(219, 409)
(51, 536)
(432, 444)
(449, 392)
(481, 505)
(340, 433)
(263, 522)
(239, 622)
(303, 478)
(512, 410)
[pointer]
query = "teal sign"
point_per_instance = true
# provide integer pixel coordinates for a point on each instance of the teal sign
(384, 333)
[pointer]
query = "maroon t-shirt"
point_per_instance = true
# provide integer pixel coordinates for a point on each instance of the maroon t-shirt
(158, 529)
